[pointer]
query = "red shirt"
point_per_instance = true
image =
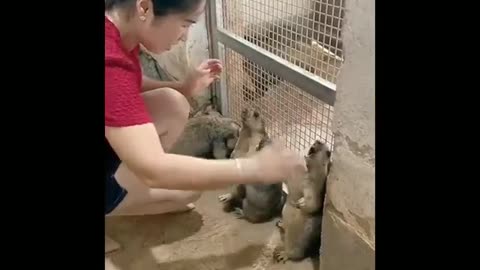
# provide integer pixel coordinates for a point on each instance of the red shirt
(124, 105)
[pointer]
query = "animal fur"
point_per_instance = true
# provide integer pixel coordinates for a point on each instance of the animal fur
(254, 202)
(301, 222)
(207, 109)
(209, 136)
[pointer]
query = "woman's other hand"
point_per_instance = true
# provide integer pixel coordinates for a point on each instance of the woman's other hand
(202, 76)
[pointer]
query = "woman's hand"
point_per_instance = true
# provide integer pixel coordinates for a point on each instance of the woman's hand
(201, 77)
(273, 164)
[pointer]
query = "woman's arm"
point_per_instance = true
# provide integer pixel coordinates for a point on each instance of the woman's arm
(132, 135)
(196, 80)
(140, 148)
(150, 84)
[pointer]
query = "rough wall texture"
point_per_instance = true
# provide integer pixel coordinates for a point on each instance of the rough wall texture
(349, 223)
(197, 44)
(174, 64)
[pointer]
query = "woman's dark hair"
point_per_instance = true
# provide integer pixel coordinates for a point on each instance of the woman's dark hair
(160, 7)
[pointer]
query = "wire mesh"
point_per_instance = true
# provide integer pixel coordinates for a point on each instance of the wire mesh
(291, 115)
(306, 33)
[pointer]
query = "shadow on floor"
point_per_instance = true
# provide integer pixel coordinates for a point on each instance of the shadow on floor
(243, 258)
(205, 239)
(138, 234)
(153, 230)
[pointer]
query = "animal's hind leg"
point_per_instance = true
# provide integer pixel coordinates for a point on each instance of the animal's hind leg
(279, 224)
(219, 149)
(286, 253)
(279, 255)
(308, 243)
(239, 213)
(250, 213)
(243, 210)
(291, 249)
(295, 254)
(233, 199)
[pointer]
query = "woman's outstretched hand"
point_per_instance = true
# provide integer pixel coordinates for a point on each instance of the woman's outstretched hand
(273, 164)
(202, 76)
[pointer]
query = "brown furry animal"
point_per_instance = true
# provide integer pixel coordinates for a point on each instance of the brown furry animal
(254, 202)
(209, 136)
(301, 222)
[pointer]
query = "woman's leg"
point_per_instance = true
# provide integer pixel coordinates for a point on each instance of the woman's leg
(169, 110)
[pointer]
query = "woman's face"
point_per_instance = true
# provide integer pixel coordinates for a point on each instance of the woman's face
(159, 34)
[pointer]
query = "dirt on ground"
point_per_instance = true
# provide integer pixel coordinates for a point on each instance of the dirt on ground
(204, 239)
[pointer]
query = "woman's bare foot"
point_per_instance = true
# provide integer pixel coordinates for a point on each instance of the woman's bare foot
(184, 208)
(111, 245)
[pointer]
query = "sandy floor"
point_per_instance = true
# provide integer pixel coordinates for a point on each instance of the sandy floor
(206, 238)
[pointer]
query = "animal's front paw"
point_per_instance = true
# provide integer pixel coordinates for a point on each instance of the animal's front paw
(225, 197)
(300, 203)
(280, 256)
(279, 224)
(238, 213)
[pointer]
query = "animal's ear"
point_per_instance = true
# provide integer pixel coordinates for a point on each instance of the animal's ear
(319, 143)
(244, 113)
(311, 151)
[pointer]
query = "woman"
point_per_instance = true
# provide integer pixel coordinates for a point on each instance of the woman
(144, 117)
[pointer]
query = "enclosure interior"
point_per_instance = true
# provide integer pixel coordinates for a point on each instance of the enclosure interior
(302, 37)
(281, 57)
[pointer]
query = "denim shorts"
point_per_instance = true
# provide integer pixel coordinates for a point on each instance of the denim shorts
(114, 194)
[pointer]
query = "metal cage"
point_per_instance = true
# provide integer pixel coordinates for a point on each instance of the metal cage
(281, 57)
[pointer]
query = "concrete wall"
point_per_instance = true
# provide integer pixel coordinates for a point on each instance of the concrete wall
(185, 54)
(348, 238)
(273, 10)
(197, 44)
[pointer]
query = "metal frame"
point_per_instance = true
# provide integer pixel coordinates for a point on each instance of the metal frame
(312, 84)
(219, 87)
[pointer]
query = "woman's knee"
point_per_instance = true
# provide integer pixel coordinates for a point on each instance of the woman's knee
(140, 194)
(189, 196)
(169, 102)
(169, 110)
